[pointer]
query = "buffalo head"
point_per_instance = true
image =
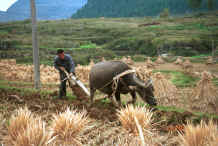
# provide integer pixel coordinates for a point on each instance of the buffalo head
(145, 90)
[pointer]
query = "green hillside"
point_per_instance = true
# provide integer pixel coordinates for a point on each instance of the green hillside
(140, 8)
(111, 37)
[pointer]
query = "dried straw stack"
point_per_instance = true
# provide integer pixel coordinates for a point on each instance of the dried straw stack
(209, 60)
(124, 59)
(82, 72)
(205, 94)
(187, 66)
(143, 115)
(129, 61)
(143, 72)
(66, 127)
(8, 61)
(165, 92)
(91, 63)
(25, 72)
(159, 60)
(103, 59)
(178, 61)
(149, 63)
(26, 129)
(138, 124)
(49, 74)
(200, 135)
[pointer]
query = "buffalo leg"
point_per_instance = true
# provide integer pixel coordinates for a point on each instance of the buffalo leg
(133, 94)
(117, 95)
(92, 92)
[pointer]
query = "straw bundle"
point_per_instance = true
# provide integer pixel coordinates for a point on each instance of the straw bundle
(129, 61)
(82, 72)
(25, 73)
(8, 61)
(149, 63)
(209, 60)
(127, 115)
(48, 74)
(143, 73)
(159, 60)
(67, 126)
(205, 93)
(124, 59)
(103, 59)
(200, 135)
(137, 121)
(178, 61)
(164, 90)
(26, 130)
(91, 63)
(187, 66)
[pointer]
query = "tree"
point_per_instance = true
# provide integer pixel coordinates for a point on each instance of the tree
(195, 4)
(35, 46)
(210, 4)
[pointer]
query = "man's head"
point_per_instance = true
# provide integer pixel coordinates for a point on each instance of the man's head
(60, 53)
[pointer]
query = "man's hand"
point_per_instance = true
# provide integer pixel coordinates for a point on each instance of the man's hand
(62, 68)
(72, 73)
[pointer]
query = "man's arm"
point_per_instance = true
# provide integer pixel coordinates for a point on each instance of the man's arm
(56, 64)
(72, 65)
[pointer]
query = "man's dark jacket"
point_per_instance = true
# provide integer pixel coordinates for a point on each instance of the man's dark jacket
(67, 63)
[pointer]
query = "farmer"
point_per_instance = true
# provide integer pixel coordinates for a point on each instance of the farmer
(63, 62)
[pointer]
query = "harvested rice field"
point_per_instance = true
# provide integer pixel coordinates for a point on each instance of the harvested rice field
(74, 121)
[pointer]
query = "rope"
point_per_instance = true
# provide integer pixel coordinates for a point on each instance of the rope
(116, 80)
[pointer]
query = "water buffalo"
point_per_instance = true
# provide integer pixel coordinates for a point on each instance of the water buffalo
(101, 77)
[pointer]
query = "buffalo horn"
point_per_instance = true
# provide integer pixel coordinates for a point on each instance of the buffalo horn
(140, 83)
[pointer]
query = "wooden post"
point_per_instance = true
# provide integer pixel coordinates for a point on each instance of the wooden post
(35, 46)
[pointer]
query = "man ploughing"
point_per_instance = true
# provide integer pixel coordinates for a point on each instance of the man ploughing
(63, 62)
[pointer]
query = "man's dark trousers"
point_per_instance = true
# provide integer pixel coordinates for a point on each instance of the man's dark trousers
(62, 90)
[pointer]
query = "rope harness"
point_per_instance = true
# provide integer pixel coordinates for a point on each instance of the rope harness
(116, 80)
